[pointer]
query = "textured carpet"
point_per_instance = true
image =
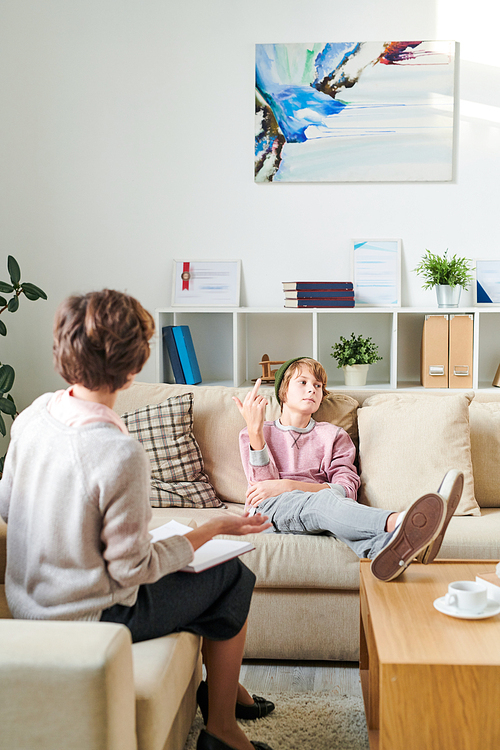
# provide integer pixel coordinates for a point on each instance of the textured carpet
(305, 721)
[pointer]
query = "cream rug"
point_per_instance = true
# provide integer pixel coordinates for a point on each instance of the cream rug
(305, 721)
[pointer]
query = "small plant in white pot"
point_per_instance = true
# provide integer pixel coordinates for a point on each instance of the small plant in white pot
(448, 275)
(354, 355)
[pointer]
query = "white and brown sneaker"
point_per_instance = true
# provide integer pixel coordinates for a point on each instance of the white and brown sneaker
(450, 490)
(421, 525)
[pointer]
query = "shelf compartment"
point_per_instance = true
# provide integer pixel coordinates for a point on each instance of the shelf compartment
(377, 325)
(212, 334)
(488, 347)
(279, 335)
(410, 327)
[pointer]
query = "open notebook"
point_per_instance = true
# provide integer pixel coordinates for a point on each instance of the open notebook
(211, 553)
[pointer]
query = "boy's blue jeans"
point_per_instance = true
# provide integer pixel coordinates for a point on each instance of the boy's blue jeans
(362, 528)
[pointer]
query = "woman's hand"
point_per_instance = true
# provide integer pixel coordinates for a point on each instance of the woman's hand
(259, 491)
(245, 524)
(253, 411)
(230, 524)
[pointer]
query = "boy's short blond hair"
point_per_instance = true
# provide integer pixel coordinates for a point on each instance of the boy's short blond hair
(313, 365)
(101, 339)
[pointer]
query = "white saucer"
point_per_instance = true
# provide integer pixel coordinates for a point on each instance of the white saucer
(492, 608)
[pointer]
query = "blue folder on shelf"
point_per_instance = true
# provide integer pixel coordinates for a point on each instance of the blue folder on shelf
(187, 354)
(171, 346)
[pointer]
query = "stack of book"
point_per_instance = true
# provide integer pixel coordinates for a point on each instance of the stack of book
(178, 343)
(318, 293)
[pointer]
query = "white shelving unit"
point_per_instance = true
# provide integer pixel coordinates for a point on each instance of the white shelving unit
(230, 342)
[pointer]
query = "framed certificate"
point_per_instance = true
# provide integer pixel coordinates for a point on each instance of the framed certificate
(376, 272)
(487, 287)
(206, 283)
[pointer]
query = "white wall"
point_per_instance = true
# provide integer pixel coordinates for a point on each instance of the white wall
(126, 140)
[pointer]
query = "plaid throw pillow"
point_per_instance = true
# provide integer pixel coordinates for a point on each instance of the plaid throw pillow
(166, 433)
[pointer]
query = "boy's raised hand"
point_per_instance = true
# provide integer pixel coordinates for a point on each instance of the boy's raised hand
(253, 411)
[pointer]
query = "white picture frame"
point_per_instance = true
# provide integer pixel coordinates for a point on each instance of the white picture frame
(487, 283)
(376, 272)
(206, 283)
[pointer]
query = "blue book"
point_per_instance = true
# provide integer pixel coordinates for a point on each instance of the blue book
(187, 354)
(303, 285)
(171, 346)
(319, 303)
(321, 294)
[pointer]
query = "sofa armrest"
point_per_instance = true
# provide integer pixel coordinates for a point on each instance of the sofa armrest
(66, 685)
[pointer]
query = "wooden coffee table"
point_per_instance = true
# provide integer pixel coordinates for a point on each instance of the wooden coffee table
(429, 681)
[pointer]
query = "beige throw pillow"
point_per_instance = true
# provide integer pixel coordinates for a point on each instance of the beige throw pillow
(485, 447)
(408, 442)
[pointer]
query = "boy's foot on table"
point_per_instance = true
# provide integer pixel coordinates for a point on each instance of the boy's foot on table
(421, 525)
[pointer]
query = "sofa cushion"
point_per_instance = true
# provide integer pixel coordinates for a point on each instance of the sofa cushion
(475, 538)
(408, 442)
(217, 424)
(166, 432)
(485, 448)
(163, 670)
(301, 561)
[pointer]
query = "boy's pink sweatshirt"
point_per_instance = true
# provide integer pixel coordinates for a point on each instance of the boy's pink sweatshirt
(321, 453)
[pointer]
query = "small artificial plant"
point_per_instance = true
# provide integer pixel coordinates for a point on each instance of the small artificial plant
(356, 350)
(438, 270)
(7, 374)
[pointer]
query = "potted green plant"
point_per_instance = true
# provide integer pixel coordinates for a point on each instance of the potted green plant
(354, 355)
(16, 287)
(448, 275)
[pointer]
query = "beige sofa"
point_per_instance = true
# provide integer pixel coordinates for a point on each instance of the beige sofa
(305, 605)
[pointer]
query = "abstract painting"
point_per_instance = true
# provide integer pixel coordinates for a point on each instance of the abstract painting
(354, 111)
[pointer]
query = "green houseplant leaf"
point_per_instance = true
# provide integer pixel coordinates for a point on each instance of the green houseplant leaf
(14, 270)
(7, 406)
(7, 377)
(33, 292)
(7, 374)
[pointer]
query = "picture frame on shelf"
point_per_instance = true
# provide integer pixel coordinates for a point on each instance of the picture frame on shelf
(206, 283)
(487, 284)
(376, 272)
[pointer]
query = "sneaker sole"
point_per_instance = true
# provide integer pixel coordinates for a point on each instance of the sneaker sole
(422, 524)
(451, 490)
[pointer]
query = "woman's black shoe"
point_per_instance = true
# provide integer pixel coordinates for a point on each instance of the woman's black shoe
(207, 741)
(259, 708)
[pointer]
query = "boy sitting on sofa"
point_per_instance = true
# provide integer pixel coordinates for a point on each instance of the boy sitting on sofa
(301, 475)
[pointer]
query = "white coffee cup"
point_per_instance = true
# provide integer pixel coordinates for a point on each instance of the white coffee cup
(467, 595)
